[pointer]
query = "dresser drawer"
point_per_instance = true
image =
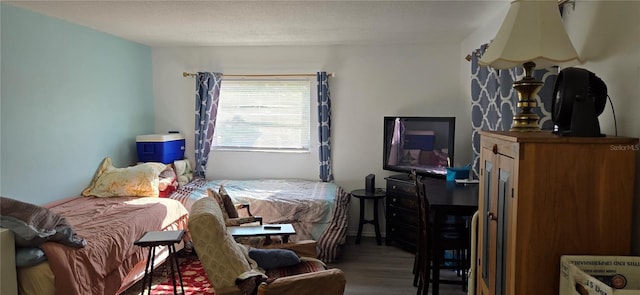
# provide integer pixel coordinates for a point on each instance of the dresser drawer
(400, 201)
(407, 235)
(401, 188)
(397, 216)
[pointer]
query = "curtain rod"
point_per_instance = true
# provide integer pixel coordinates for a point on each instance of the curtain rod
(185, 74)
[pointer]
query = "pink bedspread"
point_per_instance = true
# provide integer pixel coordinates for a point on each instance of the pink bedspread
(110, 226)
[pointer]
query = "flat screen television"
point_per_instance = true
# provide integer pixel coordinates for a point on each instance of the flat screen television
(424, 144)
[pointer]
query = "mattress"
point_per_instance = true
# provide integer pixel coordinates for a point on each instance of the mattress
(110, 262)
(317, 210)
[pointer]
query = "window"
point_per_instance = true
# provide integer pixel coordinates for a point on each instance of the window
(271, 115)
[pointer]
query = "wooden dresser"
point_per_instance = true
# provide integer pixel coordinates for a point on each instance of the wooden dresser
(543, 196)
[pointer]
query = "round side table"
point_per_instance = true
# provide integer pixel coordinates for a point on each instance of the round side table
(376, 196)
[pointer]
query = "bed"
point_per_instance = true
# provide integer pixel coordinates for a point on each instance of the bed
(109, 263)
(317, 210)
(88, 240)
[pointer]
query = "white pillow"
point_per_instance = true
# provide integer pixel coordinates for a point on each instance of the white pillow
(184, 171)
(136, 181)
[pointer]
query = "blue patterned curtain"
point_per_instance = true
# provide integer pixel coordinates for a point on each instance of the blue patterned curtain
(324, 126)
(207, 95)
(494, 101)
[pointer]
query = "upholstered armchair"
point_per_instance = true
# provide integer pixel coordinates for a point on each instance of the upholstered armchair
(233, 272)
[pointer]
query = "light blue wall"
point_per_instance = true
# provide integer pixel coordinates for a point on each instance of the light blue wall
(70, 96)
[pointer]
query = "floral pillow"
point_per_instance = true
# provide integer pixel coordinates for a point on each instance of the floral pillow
(168, 182)
(137, 181)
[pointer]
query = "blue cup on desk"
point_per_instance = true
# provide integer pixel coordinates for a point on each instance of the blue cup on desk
(454, 173)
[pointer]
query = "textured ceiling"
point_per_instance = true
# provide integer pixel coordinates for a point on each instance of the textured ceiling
(227, 23)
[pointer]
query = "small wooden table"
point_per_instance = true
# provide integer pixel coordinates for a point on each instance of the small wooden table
(363, 195)
(266, 230)
(168, 238)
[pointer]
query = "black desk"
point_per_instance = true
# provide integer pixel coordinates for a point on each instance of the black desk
(447, 199)
(363, 195)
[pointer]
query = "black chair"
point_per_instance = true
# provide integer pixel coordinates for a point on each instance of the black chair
(454, 238)
(422, 261)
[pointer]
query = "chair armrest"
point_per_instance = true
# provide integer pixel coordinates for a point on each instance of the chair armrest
(247, 206)
(243, 220)
(326, 282)
(8, 275)
(244, 206)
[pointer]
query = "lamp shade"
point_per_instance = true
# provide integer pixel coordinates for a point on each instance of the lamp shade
(532, 31)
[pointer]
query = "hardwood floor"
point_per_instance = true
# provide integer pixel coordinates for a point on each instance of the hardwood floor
(372, 269)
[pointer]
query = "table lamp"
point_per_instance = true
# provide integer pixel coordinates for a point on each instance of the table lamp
(532, 35)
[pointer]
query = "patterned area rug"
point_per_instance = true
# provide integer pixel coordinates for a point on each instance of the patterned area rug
(194, 279)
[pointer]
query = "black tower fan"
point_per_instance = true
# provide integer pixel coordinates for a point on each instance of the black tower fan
(579, 97)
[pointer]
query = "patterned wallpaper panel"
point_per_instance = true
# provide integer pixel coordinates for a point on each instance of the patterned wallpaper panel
(494, 101)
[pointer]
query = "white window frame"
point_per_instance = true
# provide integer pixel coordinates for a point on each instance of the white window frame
(226, 112)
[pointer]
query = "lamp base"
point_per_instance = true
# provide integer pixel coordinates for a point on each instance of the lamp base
(525, 122)
(527, 89)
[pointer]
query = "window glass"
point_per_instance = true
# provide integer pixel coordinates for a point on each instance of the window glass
(261, 114)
